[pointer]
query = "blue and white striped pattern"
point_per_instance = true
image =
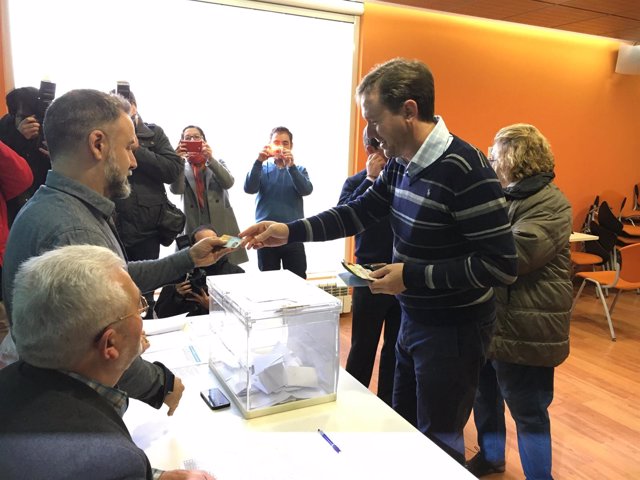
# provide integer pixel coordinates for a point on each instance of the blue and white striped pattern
(450, 224)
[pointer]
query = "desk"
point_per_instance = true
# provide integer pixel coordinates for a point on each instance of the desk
(376, 442)
(582, 237)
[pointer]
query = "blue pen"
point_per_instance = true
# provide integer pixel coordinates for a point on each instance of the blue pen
(333, 445)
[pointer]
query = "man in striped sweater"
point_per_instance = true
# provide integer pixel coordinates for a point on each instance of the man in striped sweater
(452, 244)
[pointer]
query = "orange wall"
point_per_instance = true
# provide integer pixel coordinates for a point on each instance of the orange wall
(490, 74)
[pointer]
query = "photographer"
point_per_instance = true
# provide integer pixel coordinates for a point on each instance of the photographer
(21, 130)
(190, 296)
(280, 185)
(204, 185)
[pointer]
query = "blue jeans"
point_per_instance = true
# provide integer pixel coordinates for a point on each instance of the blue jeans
(292, 256)
(528, 392)
(437, 375)
(370, 312)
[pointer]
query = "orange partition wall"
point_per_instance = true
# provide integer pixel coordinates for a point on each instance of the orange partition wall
(489, 74)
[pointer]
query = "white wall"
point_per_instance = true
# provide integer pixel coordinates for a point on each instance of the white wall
(235, 72)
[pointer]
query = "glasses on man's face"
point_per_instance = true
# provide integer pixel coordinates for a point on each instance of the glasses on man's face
(142, 310)
(190, 138)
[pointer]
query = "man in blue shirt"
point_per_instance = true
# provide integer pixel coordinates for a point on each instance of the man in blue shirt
(280, 185)
(371, 311)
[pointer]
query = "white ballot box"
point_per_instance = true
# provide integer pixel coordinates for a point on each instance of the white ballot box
(275, 341)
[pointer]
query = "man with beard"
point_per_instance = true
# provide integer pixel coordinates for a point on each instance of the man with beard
(91, 141)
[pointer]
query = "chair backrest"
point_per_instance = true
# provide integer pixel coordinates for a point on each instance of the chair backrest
(608, 220)
(605, 244)
(593, 208)
(630, 259)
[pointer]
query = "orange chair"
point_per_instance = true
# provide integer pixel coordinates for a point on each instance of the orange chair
(626, 276)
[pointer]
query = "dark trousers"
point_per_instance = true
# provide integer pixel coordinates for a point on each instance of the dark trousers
(528, 392)
(370, 312)
(292, 257)
(148, 249)
(437, 373)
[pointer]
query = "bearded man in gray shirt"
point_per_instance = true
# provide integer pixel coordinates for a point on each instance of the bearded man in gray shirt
(91, 140)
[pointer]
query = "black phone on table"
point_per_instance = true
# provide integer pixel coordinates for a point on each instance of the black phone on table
(215, 398)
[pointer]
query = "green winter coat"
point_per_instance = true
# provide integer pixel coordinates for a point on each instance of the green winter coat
(533, 313)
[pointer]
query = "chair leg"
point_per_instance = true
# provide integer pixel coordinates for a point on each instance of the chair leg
(575, 300)
(606, 312)
(615, 300)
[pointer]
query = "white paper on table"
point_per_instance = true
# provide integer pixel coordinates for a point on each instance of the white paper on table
(163, 325)
(175, 358)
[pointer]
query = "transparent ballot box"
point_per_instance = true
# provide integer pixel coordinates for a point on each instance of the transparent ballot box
(275, 341)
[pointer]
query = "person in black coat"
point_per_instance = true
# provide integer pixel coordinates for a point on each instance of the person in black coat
(137, 216)
(60, 408)
(190, 296)
(21, 130)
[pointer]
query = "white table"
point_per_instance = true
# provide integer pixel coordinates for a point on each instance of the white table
(375, 442)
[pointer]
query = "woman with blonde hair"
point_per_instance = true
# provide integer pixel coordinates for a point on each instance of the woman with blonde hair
(532, 328)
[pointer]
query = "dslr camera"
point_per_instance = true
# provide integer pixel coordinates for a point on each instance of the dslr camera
(46, 94)
(198, 280)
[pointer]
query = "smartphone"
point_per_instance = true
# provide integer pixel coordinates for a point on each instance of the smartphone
(192, 146)
(215, 398)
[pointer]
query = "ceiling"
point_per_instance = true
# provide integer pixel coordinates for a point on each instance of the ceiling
(608, 18)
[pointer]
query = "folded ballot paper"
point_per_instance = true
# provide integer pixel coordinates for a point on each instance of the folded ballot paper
(164, 325)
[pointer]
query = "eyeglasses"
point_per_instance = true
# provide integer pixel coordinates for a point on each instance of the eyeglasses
(142, 310)
(192, 137)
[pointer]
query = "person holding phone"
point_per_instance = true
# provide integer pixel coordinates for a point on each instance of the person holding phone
(204, 184)
(371, 312)
(280, 185)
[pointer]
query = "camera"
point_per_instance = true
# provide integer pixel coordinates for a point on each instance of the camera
(198, 280)
(46, 94)
(275, 150)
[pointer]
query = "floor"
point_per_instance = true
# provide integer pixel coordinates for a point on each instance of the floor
(595, 417)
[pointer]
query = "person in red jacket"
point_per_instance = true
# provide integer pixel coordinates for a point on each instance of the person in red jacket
(15, 178)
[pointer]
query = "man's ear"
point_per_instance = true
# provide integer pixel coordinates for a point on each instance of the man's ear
(106, 345)
(410, 109)
(98, 144)
(370, 150)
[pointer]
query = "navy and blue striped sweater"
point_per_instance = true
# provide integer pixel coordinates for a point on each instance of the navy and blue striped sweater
(451, 230)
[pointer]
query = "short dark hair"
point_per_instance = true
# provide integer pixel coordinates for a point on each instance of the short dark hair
(71, 117)
(399, 80)
(204, 137)
(205, 226)
(282, 130)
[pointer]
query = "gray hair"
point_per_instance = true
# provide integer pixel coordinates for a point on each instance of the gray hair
(61, 300)
(74, 115)
(399, 80)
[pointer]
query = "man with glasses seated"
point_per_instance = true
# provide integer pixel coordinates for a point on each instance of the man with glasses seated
(204, 184)
(60, 407)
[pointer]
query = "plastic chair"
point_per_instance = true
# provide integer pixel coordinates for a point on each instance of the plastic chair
(596, 252)
(627, 234)
(631, 214)
(626, 276)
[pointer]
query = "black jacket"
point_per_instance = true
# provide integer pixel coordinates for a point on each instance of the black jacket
(137, 216)
(29, 150)
(55, 427)
(171, 303)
